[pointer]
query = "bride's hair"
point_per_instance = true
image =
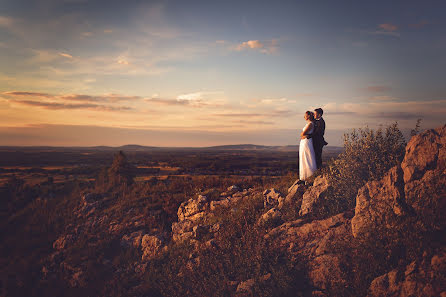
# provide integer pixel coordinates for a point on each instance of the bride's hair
(310, 115)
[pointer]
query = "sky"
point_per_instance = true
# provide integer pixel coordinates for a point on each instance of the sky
(202, 73)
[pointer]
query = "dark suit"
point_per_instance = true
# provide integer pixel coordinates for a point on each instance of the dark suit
(318, 140)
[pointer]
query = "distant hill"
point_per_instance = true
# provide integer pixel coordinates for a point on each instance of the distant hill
(141, 148)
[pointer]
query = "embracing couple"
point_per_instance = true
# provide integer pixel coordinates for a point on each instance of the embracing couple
(311, 143)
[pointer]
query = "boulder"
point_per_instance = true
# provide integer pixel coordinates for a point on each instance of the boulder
(379, 201)
(151, 246)
(132, 239)
(271, 217)
(63, 241)
(271, 197)
(315, 199)
(220, 203)
(423, 277)
(424, 168)
(192, 207)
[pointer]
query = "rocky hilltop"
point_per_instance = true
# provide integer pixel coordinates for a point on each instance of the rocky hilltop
(392, 243)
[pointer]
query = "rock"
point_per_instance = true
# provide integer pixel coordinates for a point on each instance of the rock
(271, 197)
(78, 279)
(295, 193)
(63, 241)
(419, 278)
(317, 244)
(91, 197)
(424, 168)
(200, 231)
(220, 203)
(132, 239)
(151, 246)
(424, 152)
(379, 201)
(233, 189)
(326, 272)
(314, 200)
(192, 207)
(182, 230)
(417, 188)
(246, 286)
(271, 217)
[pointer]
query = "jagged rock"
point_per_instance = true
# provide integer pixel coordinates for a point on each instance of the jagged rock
(416, 188)
(91, 197)
(246, 286)
(272, 216)
(151, 246)
(317, 243)
(191, 208)
(220, 203)
(78, 279)
(419, 278)
(200, 231)
(326, 271)
(271, 197)
(132, 239)
(295, 193)
(182, 230)
(379, 201)
(233, 189)
(425, 151)
(63, 241)
(424, 168)
(314, 200)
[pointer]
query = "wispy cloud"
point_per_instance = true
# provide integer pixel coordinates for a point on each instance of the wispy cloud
(59, 106)
(388, 27)
(378, 88)
(57, 102)
(66, 55)
(266, 46)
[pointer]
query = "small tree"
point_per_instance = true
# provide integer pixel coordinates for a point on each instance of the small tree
(120, 173)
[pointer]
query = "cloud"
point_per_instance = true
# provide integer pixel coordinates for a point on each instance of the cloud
(196, 99)
(6, 21)
(266, 47)
(377, 89)
(389, 108)
(59, 106)
(388, 27)
(27, 94)
(73, 97)
(419, 25)
(66, 55)
(383, 98)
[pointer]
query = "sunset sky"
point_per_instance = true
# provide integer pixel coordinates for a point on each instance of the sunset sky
(199, 73)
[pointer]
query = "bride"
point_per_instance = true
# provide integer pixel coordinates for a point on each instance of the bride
(307, 159)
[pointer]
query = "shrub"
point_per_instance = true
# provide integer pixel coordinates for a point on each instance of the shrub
(367, 155)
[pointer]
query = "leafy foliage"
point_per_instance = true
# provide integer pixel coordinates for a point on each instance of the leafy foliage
(367, 155)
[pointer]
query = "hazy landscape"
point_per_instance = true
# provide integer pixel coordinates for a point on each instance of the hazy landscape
(226, 221)
(171, 148)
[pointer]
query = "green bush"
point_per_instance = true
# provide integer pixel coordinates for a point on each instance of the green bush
(367, 155)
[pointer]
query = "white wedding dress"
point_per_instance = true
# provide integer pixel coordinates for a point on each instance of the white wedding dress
(307, 158)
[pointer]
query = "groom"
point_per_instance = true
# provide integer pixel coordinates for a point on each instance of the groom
(318, 136)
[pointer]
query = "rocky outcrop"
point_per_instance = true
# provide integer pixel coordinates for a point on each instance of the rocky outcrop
(315, 199)
(424, 168)
(193, 209)
(271, 198)
(416, 188)
(318, 243)
(419, 278)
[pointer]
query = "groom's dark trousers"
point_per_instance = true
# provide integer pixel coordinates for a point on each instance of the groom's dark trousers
(318, 140)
